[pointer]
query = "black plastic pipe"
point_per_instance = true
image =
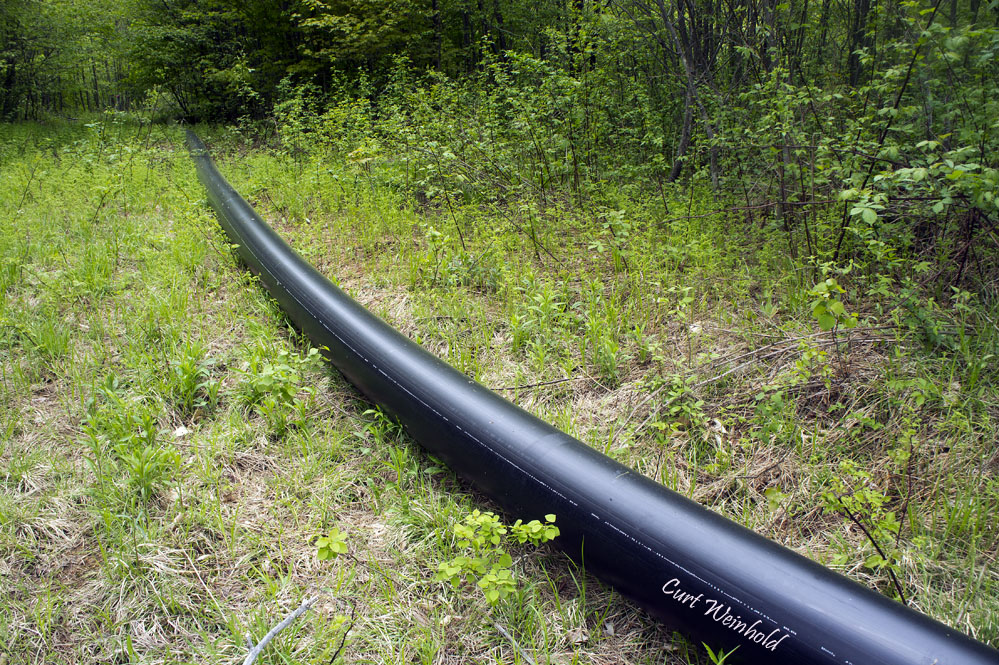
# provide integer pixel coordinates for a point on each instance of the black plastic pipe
(697, 571)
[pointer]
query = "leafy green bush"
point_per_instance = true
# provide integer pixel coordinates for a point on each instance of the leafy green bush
(485, 561)
(190, 381)
(273, 386)
(123, 438)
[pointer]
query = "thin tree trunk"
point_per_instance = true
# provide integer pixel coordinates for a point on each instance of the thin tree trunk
(709, 130)
(438, 33)
(97, 89)
(466, 40)
(9, 85)
(681, 149)
(824, 23)
(500, 31)
(858, 39)
(782, 212)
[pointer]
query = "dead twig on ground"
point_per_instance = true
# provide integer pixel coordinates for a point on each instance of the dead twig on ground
(272, 633)
(200, 579)
(539, 384)
(520, 650)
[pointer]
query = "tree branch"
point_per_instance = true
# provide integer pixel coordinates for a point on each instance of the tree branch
(272, 633)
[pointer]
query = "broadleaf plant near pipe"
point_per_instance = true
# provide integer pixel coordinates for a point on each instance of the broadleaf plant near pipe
(697, 571)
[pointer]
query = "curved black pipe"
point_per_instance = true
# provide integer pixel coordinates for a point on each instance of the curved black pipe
(696, 570)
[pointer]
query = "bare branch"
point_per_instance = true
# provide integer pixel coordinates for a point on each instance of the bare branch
(272, 633)
(520, 650)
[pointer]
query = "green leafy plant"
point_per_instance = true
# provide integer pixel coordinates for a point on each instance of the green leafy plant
(718, 657)
(534, 532)
(273, 387)
(773, 414)
(485, 561)
(280, 377)
(854, 495)
(381, 426)
(123, 438)
(827, 308)
(615, 234)
(813, 361)
(332, 545)
(190, 379)
(684, 409)
(149, 467)
(601, 322)
(681, 311)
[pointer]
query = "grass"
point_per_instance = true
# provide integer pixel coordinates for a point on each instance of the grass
(170, 451)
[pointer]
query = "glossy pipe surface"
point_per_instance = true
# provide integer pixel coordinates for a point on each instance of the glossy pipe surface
(695, 570)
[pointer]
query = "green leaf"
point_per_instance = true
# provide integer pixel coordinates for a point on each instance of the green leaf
(826, 321)
(869, 215)
(874, 561)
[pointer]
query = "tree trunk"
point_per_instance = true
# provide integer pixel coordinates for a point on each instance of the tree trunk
(467, 37)
(681, 149)
(500, 30)
(858, 39)
(438, 33)
(10, 83)
(824, 24)
(709, 129)
(97, 89)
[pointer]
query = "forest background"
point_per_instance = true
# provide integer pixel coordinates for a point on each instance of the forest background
(862, 110)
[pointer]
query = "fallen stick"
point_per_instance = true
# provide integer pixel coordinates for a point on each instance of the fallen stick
(272, 633)
(520, 650)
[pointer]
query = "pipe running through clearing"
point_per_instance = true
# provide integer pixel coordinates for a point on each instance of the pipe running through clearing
(698, 572)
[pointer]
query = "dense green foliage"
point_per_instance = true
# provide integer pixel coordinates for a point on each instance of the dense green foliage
(861, 131)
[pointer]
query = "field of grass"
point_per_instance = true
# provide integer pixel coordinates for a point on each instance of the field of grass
(170, 449)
